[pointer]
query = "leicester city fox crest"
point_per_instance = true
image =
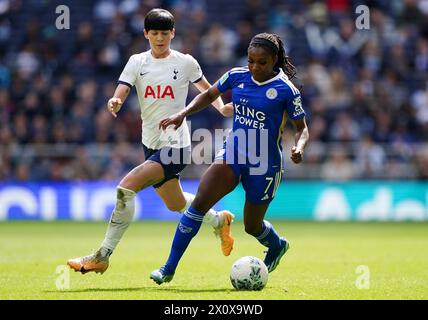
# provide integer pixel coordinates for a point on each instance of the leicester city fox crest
(271, 93)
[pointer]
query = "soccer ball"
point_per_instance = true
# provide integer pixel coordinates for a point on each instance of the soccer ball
(249, 273)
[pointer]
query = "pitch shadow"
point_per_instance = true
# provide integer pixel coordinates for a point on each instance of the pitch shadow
(142, 289)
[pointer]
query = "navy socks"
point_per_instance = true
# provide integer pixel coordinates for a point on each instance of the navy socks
(187, 228)
(269, 238)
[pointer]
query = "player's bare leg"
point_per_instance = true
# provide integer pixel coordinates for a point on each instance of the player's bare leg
(172, 195)
(139, 178)
(263, 231)
(176, 200)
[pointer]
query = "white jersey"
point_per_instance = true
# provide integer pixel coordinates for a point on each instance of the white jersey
(162, 86)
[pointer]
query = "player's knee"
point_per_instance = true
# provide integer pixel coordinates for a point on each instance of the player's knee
(173, 206)
(125, 206)
(124, 194)
(129, 184)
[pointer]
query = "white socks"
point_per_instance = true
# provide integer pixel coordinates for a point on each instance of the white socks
(211, 217)
(124, 212)
(120, 219)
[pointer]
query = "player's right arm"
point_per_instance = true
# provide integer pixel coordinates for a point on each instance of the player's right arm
(199, 103)
(115, 103)
(126, 82)
(225, 109)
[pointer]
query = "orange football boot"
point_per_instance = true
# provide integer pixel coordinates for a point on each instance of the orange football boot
(225, 233)
(93, 262)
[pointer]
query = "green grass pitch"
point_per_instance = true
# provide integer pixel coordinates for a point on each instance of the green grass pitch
(324, 262)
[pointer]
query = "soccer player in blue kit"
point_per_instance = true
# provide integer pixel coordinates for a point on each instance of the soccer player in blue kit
(263, 98)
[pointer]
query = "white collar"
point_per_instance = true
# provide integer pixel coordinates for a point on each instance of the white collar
(279, 75)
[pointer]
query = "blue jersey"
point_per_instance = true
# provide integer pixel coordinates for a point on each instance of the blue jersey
(262, 108)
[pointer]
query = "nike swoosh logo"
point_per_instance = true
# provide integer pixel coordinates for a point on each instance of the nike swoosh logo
(142, 74)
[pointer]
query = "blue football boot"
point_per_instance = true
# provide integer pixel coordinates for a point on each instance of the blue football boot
(273, 256)
(161, 275)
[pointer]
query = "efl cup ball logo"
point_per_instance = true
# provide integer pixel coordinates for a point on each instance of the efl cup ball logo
(271, 93)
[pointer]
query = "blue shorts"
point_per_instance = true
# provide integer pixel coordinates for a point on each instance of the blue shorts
(259, 188)
(172, 160)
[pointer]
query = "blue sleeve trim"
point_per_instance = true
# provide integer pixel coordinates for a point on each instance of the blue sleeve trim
(125, 83)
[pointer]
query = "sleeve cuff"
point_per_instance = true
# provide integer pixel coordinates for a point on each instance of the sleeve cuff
(199, 79)
(125, 83)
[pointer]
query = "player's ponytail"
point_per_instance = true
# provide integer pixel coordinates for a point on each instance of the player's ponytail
(274, 44)
(284, 60)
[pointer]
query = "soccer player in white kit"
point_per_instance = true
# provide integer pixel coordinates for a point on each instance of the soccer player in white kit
(161, 77)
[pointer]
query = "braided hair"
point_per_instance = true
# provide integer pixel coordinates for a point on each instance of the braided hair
(273, 43)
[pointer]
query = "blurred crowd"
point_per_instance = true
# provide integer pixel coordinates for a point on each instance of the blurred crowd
(365, 91)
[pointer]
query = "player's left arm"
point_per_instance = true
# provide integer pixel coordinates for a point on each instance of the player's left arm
(301, 139)
(225, 109)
